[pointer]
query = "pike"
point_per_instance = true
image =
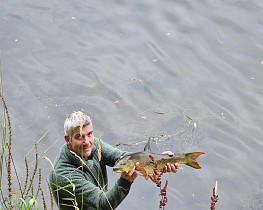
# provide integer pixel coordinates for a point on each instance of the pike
(148, 161)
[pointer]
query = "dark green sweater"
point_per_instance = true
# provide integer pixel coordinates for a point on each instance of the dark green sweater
(87, 184)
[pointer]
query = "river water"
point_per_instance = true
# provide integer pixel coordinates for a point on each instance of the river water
(186, 73)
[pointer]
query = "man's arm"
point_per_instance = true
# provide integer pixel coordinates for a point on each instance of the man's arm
(79, 189)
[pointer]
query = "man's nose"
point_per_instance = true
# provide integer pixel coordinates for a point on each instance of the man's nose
(86, 139)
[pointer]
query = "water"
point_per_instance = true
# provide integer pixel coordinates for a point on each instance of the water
(143, 69)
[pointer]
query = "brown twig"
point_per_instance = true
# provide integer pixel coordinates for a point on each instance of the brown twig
(43, 199)
(164, 199)
(9, 142)
(214, 197)
(156, 178)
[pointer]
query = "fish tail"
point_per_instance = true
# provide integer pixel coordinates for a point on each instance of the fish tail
(191, 159)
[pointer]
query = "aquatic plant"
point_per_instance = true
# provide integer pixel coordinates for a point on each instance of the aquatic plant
(214, 197)
(156, 178)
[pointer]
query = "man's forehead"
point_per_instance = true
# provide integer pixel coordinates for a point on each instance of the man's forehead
(86, 127)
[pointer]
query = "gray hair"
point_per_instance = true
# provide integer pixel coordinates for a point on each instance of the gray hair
(74, 120)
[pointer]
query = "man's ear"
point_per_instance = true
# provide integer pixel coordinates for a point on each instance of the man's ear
(67, 139)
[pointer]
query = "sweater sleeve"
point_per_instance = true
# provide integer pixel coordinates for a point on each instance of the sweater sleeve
(87, 194)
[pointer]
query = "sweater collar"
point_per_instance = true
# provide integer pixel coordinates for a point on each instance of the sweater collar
(76, 160)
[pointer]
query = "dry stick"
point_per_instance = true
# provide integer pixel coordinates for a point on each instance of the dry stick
(27, 177)
(39, 182)
(214, 197)
(43, 199)
(30, 186)
(164, 199)
(51, 196)
(99, 148)
(53, 168)
(81, 123)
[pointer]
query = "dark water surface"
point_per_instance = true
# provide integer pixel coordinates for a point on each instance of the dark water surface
(143, 69)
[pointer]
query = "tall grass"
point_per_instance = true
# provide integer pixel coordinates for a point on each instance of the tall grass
(14, 194)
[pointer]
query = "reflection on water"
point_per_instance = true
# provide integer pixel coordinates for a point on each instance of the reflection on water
(186, 73)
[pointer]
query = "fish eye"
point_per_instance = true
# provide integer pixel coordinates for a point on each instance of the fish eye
(124, 160)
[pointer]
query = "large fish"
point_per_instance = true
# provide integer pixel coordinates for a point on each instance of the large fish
(149, 161)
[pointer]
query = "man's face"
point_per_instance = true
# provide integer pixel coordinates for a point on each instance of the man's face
(81, 144)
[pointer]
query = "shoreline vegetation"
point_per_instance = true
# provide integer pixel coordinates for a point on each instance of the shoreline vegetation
(28, 194)
(17, 195)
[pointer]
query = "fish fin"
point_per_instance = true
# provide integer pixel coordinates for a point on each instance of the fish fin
(191, 159)
(140, 173)
(141, 170)
(144, 174)
(147, 147)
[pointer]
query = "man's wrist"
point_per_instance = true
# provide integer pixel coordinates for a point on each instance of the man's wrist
(126, 184)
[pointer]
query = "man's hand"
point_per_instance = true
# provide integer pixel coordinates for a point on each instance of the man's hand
(170, 167)
(129, 175)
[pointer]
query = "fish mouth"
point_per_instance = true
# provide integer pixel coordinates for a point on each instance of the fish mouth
(116, 169)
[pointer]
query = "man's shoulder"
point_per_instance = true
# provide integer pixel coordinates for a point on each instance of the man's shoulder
(62, 159)
(64, 162)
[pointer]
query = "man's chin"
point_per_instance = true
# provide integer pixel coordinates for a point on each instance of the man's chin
(86, 153)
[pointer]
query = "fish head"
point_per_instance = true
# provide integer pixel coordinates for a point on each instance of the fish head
(124, 163)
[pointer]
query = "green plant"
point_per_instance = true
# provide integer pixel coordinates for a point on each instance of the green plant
(30, 205)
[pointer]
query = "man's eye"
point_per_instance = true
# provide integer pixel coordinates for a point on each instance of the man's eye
(78, 137)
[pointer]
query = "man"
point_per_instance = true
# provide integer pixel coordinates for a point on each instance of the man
(79, 178)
